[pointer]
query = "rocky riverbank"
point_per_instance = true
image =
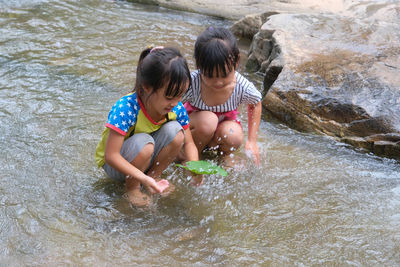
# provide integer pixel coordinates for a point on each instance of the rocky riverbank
(237, 9)
(331, 68)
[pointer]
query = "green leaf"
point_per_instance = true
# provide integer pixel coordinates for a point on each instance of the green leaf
(203, 167)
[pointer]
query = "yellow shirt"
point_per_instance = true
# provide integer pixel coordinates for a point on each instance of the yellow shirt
(128, 117)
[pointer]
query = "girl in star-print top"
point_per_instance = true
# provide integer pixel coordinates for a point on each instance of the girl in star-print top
(147, 128)
(215, 94)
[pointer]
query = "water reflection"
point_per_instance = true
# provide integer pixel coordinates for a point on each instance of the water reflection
(63, 64)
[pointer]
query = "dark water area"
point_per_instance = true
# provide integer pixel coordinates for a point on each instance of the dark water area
(63, 64)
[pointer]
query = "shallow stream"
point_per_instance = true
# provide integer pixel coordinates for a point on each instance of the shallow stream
(63, 64)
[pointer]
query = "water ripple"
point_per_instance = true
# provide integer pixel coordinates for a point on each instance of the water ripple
(63, 64)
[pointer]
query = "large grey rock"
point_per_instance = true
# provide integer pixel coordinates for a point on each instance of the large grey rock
(334, 74)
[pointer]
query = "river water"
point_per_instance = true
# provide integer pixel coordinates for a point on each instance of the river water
(63, 64)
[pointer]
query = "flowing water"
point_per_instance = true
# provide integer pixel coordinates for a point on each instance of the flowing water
(63, 64)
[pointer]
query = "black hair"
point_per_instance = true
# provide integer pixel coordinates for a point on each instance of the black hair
(216, 49)
(158, 66)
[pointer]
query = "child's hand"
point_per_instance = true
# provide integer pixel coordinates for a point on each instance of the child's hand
(162, 185)
(156, 187)
(197, 179)
(251, 149)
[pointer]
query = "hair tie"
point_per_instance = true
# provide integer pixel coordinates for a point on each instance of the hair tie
(156, 48)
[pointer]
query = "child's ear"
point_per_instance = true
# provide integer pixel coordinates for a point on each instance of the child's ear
(147, 89)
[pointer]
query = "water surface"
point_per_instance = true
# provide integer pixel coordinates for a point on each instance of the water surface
(63, 64)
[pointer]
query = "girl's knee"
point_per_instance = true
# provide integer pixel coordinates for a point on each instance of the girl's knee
(178, 140)
(144, 156)
(236, 141)
(206, 123)
(171, 130)
(137, 146)
(230, 133)
(147, 150)
(171, 127)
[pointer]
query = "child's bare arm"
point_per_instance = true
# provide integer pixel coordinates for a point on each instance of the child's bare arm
(192, 154)
(254, 118)
(113, 158)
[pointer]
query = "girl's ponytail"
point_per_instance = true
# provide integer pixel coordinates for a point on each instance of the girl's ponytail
(144, 54)
(138, 85)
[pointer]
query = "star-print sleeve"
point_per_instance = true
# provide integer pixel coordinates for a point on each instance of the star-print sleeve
(123, 114)
(181, 115)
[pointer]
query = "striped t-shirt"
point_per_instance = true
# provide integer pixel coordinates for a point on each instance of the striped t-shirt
(244, 92)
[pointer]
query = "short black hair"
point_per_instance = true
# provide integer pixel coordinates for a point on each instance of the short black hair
(216, 49)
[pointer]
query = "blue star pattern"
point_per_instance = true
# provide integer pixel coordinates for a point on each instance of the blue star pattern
(182, 116)
(123, 115)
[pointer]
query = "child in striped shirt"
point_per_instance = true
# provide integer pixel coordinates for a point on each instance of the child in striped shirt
(215, 94)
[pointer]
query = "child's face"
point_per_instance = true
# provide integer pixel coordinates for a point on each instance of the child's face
(162, 104)
(220, 82)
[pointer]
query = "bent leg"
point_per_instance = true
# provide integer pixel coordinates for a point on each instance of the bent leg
(203, 125)
(228, 137)
(130, 151)
(168, 142)
(142, 161)
(138, 150)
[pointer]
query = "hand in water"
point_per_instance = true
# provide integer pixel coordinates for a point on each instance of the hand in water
(251, 150)
(156, 187)
(197, 180)
(162, 185)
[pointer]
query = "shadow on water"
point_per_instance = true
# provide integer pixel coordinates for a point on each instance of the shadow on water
(313, 201)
